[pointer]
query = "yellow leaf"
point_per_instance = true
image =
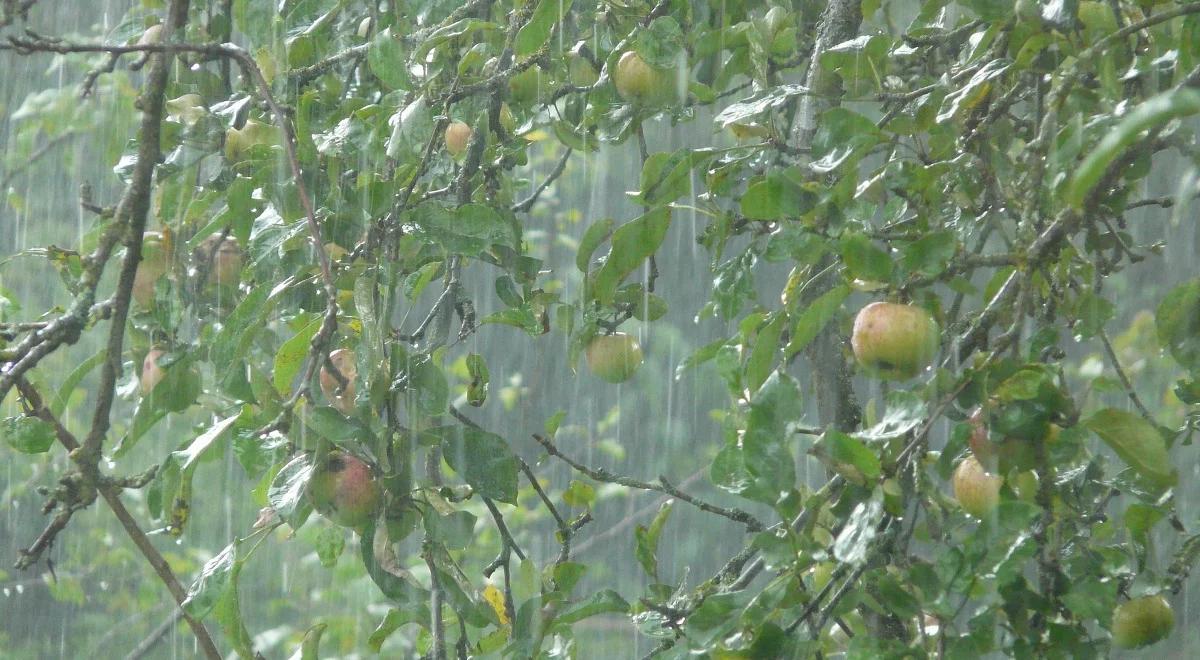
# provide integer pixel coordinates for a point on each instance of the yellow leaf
(496, 599)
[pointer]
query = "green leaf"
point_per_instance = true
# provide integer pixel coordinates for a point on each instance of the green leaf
(239, 330)
(595, 234)
(286, 495)
(1137, 442)
(210, 586)
(667, 176)
(632, 244)
(478, 387)
(28, 435)
(427, 386)
(848, 457)
(448, 32)
(579, 494)
(864, 260)
(814, 318)
(63, 396)
(329, 544)
(1178, 323)
(601, 602)
(776, 197)
(842, 136)
(747, 110)
(661, 42)
(1150, 114)
(1091, 314)
(853, 544)
(931, 253)
(760, 465)
(468, 229)
(388, 60)
(535, 33)
(647, 540)
(290, 356)
(311, 645)
(765, 351)
(484, 460)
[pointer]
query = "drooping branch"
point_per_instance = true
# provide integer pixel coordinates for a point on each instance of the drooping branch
(112, 496)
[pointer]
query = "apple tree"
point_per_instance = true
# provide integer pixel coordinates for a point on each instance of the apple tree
(927, 264)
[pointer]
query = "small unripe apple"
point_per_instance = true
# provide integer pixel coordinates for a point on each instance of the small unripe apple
(634, 78)
(458, 136)
(977, 491)
(527, 86)
(581, 69)
(893, 341)
(344, 490)
(614, 358)
(1142, 622)
(152, 374)
(226, 266)
(639, 82)
(343, 359)
(152, 267)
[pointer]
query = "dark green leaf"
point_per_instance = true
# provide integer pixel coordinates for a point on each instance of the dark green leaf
(484, 460)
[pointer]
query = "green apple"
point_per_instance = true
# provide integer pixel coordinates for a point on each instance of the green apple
(976, 491)
(458, 136)
(151, 268)
(1142, 622)
(893, 341)
(581, 68)
(344, 490)
(152, 373)
(343, 359)
(641, 83)
(636, 80)
(614, 358)
(528, 86)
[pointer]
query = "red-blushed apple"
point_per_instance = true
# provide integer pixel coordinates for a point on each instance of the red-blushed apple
(343, 400)
(151, 268)
(344, 490)
(976, 491)
(894, 341)
(614, 358)
(1142, 622)
(152, 374)
(458, 136)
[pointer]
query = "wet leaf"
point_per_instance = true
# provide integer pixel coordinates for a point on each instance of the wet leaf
(1137, 442)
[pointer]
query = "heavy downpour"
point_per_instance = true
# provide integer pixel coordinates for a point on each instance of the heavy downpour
(630, 329)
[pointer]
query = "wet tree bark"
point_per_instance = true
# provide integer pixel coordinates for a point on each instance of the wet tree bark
(837, 405)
